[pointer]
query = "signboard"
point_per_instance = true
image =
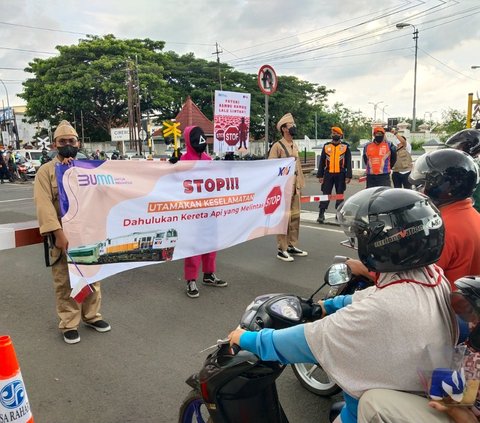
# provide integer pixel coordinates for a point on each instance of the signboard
(231, 122)
(142, 135)
(6, 114)
(171, 129)
(120, 134)
(267, 80)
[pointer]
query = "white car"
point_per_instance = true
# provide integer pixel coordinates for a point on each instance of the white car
(32, 156)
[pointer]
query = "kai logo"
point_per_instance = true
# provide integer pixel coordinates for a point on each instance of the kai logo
(283, 171)
(86, 180)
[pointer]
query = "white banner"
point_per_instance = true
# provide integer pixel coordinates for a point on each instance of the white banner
(119, 215)
(231, 122)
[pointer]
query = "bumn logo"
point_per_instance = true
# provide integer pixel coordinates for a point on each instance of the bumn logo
(86, 180)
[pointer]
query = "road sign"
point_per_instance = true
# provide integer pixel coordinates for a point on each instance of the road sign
(267, 80)
(142, 134)
(171, 128)
(273, 200)
(231, 135)
(120, 134)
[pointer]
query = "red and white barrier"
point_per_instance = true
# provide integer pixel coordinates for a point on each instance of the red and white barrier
(13, 235)
(362, 179)
(316, 198)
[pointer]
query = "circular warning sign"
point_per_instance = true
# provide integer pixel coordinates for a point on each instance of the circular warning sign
(273, 200)
(267, 80)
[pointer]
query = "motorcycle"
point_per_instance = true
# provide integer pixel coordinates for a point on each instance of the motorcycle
(235, 385)
(26, 170)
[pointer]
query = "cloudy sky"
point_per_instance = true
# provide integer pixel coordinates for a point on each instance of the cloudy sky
(351, 46)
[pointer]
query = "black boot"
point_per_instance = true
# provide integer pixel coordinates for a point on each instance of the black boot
(321, 216)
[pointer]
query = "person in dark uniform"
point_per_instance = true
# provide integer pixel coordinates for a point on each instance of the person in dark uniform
(334, 170)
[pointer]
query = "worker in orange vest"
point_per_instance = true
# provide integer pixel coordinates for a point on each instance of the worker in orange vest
(379, 156)
(335, 169)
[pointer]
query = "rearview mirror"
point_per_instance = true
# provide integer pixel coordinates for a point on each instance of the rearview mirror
(338, 274)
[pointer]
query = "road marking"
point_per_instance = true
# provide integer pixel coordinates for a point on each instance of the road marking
(17, 199)
(322, 229)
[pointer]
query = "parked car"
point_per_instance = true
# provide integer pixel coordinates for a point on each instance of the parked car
(32, 156)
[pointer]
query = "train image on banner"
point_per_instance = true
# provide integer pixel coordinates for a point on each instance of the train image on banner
(137, 246)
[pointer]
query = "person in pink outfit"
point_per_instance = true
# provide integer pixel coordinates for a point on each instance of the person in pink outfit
(196, 144)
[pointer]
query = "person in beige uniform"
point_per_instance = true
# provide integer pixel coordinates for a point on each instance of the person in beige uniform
(65, 140)
(285, 147)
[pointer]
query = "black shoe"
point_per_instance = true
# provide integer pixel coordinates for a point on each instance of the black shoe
(294, 251)
(192, 290)
(211, 279)
(71, 336)
(99, 326)
(321, 217)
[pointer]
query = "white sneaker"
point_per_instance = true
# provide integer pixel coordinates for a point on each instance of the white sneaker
(284, 256)
(296, 251)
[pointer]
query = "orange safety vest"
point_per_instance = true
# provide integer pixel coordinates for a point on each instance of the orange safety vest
(335, 157)
(378, 158)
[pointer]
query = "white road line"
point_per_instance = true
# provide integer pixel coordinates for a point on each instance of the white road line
(321, 228)
(17, 199)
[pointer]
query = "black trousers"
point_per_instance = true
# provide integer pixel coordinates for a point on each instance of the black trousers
(382, 180)
(331, 180)
(400, 180)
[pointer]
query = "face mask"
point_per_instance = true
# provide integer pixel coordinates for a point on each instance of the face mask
(198, 141)
(378, 139)
(336, 138)
(292, 131)
(68, 151)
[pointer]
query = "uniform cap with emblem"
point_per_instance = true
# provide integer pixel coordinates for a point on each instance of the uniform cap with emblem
(288, 118)
(64, 129)
(337, 130)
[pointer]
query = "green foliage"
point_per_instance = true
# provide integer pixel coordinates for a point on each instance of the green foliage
(416, 145)
(453, 121)
(90, 77)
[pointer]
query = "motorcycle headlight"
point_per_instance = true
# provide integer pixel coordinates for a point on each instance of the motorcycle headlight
(287, 307)
(260, 300)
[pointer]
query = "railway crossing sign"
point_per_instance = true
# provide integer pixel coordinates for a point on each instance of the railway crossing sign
(171, 128)
(267, 80)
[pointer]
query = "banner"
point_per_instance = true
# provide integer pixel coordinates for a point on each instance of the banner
(231, 122)
(118, 215)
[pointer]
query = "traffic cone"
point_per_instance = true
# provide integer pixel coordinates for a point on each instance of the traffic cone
(14, 405)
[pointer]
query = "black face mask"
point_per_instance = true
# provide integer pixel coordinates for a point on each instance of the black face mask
(68, 151)
(378, 139)
(292, 131)
(336, 138)
(198, 140)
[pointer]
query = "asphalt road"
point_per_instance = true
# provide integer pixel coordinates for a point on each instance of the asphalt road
(136, 372)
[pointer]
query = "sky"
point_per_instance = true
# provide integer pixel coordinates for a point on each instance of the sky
(351, 46)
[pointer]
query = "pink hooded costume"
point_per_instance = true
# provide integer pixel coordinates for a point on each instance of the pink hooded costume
(192, 264)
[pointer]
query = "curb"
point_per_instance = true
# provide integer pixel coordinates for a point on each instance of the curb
(311, 217)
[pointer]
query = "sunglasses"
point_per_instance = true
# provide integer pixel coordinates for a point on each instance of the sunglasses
(467, 312)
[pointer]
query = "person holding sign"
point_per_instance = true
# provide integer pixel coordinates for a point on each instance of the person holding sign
(286, 147)
(45, 192)
(196, 144)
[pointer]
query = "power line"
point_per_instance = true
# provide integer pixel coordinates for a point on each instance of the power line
(27, 51)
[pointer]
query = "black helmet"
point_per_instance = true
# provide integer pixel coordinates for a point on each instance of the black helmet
(466, 303)
(467, 140)
(397, 229)
(446, 176)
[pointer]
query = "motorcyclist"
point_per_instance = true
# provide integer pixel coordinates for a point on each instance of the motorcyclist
(385, 406)
(449, 178)
(376, 337)
(468, 140)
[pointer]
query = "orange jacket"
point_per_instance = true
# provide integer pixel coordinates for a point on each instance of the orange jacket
(335, 159)
(379, 158)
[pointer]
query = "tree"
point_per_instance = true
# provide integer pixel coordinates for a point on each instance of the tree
(453, 121)
(90, 78)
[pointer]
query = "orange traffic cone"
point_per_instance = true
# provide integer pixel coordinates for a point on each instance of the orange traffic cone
(14, 405)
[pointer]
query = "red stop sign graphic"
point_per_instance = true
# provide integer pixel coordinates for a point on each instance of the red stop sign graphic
(273, 200)
(219, 134)
(231, 135)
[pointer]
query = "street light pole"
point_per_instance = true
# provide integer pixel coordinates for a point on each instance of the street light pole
(415, 37)
(383, 112)
(375, 109)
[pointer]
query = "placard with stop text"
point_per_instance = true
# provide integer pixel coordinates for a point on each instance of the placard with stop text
(231, 122)
(119, 215)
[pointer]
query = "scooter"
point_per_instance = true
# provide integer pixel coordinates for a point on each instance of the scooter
(235, 385)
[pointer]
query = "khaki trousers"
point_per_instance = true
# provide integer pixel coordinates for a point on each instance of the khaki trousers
(291, 238)
(69, 311)
(388, 406)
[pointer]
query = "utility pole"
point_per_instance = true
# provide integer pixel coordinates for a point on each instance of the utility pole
(217, 52)
(137, 105)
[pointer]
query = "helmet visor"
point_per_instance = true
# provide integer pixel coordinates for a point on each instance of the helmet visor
(418, 174)
(353, 215)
